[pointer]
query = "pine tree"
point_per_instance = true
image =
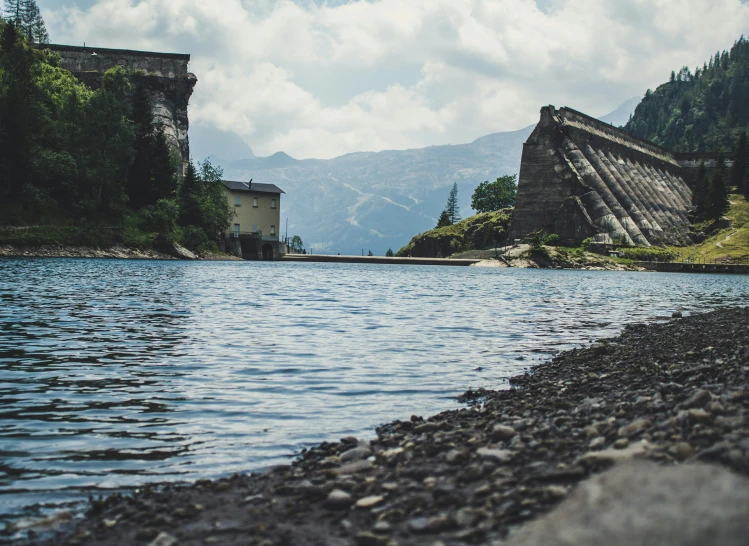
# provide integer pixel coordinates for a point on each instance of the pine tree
(26, 16)
(453, 211)
(719, 190)
(13, 11)
(34, 24)
(740, 160)
(189, 197)
(140, 171)
(153, 174)
(699, 193)
(444, 219)
(163, 169)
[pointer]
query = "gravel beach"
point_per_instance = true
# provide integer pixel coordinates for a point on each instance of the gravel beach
(671, 393)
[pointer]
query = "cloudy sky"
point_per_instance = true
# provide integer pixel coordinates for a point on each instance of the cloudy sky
(318, 78)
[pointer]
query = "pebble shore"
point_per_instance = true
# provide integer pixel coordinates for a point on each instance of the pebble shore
(671, 393)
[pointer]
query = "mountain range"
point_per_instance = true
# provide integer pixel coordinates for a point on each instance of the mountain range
(373, 200)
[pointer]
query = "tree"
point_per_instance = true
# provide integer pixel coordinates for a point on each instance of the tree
(389, 253)
(491, 196)
(153, 173)
(719, 190)
(189, 198)
(296, 245)
(452, 208)
(25, 15)
(740, 162)
(140, 170)
(699, 194)
(444, 220)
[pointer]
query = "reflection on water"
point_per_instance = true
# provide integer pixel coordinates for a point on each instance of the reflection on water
(118, 373)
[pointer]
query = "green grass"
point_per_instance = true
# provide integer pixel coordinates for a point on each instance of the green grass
(727, 244)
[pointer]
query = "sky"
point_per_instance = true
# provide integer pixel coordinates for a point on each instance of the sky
(320, 78)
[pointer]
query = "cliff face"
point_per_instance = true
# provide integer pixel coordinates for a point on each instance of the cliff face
(165, 75)
(582, 178)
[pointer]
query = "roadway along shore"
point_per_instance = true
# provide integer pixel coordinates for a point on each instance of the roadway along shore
(672, 393)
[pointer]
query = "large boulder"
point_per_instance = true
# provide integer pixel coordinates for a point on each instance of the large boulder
(644, 504)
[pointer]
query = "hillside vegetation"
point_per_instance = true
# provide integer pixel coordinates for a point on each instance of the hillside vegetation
(91, 165)
(701, 110)
(477, 232)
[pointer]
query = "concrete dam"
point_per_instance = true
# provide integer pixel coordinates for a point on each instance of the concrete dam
(580, 177)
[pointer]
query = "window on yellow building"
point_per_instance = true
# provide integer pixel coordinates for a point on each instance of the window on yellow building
(254, 202)
(236, 201)
(273, 230)
(272, 203)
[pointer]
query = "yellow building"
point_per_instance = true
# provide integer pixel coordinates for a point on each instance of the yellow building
(254, 231)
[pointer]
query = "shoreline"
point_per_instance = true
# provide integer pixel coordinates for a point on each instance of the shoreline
(115, 252)
(672, 393)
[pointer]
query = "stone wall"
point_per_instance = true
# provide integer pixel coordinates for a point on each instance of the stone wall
(582, 178)
(165, 75)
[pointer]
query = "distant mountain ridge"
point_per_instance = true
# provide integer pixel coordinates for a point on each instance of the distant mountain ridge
(378, 200)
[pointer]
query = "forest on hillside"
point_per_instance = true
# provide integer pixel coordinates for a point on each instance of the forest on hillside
(94, 159)
(701, 110)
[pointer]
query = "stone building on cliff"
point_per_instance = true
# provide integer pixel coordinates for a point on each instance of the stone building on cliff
(580, 177)
(164, 75)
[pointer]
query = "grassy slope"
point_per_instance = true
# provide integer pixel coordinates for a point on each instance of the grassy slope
(475, 232)
(724, 244)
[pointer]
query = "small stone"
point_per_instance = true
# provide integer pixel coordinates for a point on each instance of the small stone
(597, 443)
(382, 527)
(455, 456)
(554, 491)
(163, 539)
(355, 454)
(715, 407)
(426, 427)
(634, 428)
(389, 486)
(699, 415)
(338, 499)
(621, 443)
(681, 451)
(353, 468)
(494, 455)
(466, 517)
(698, 399)
(109, 523)
(431, 525)
(500, 433)
(366, 538)
(346, 524)
(369, 502)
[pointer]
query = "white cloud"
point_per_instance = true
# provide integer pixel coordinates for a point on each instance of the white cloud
(438, 70)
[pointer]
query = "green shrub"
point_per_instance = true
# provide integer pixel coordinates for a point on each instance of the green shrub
(552, 239)
(193, 238)
(647, 254)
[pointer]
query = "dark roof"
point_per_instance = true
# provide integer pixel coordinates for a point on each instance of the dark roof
(106, 50)
(254, 187)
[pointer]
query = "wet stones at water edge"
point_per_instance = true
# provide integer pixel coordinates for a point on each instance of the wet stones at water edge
(669, 393)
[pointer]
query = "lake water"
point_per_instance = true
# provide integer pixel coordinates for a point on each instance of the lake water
(115, 373)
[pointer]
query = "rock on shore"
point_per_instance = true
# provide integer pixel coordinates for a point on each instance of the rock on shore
(670, 393)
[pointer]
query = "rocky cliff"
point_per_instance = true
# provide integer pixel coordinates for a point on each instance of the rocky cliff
(165, 75)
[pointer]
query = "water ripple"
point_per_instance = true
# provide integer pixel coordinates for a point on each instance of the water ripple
(118, 373)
